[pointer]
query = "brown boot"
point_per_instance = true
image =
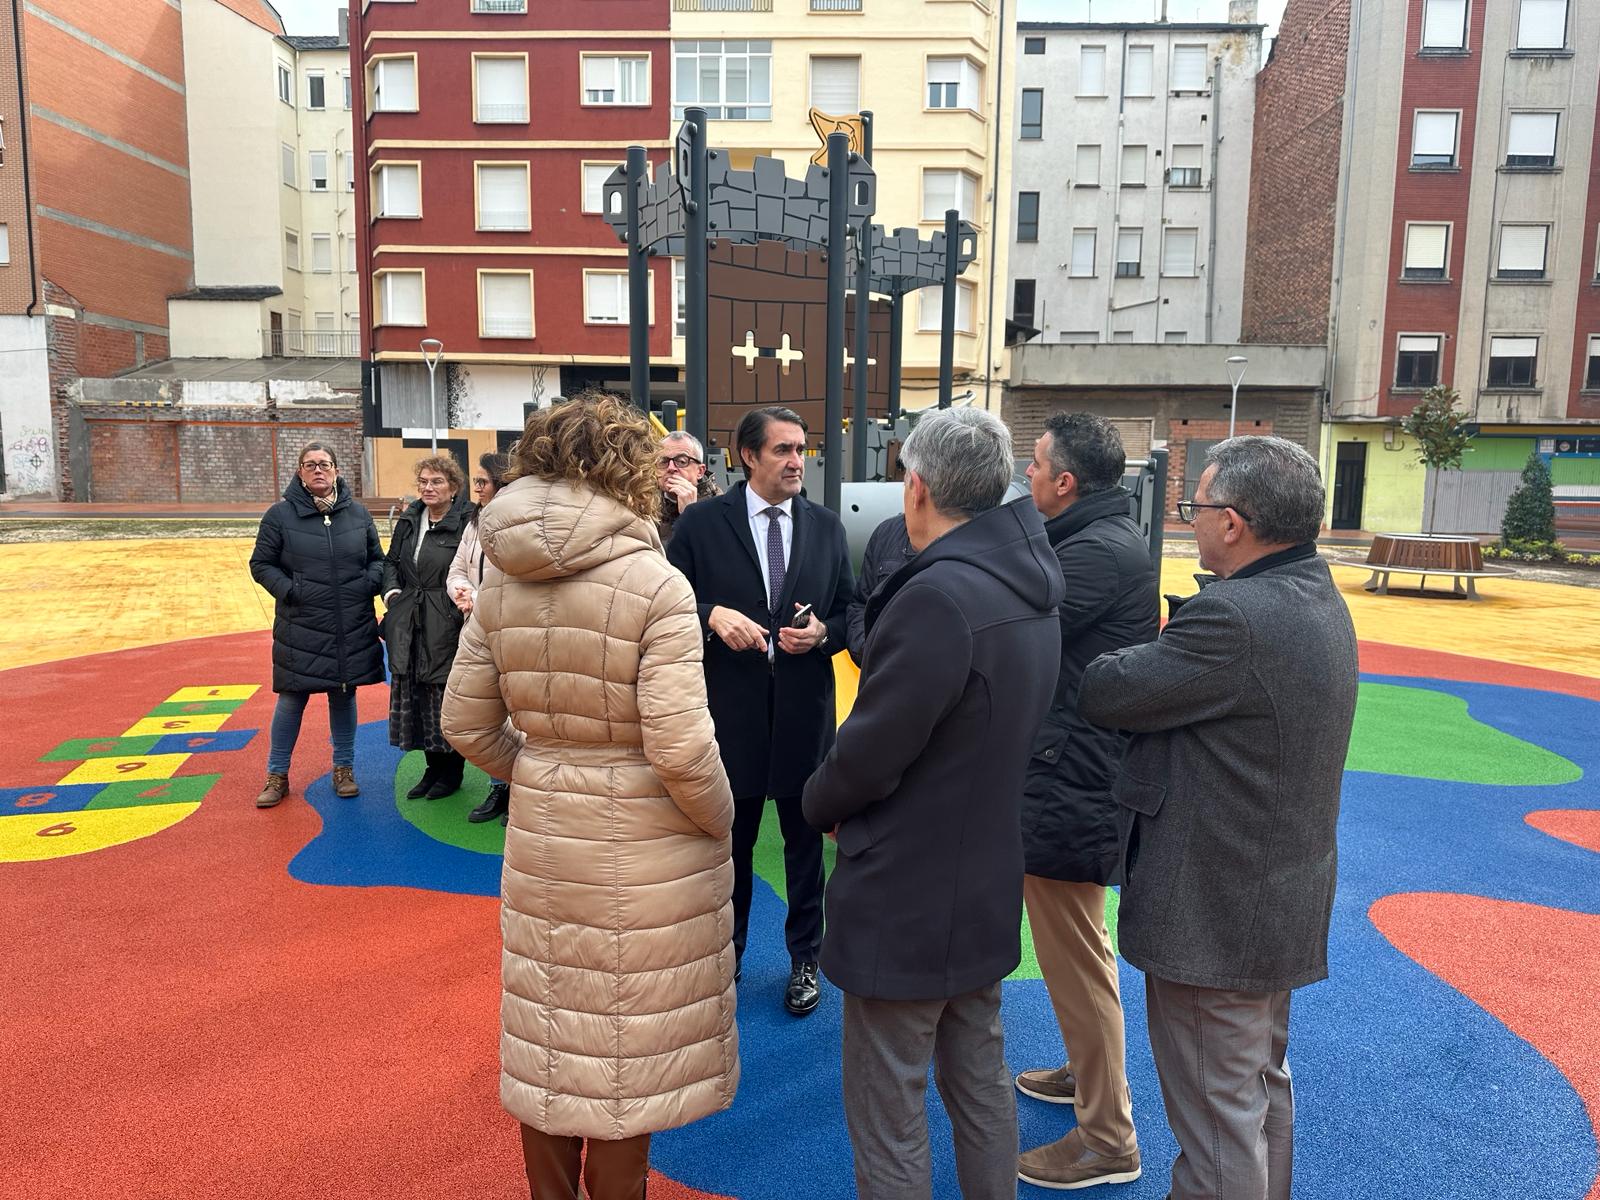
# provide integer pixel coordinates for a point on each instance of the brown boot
(275, 789)
(344, 782)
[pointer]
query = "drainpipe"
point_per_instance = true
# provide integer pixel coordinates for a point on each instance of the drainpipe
(1211, 239)
(994, 203)
(27, 176)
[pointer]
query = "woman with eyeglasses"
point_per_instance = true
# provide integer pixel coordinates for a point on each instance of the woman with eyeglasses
(423, 623)
(466, 574)
(317, 552)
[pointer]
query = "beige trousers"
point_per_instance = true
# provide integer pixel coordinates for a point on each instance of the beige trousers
(1080, 971)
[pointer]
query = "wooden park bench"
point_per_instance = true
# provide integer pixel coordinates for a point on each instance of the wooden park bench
(1459, 558)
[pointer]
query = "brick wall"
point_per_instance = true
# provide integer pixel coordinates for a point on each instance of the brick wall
(134, 460)
(61, 335)
(1180, 432)
(1294, 176)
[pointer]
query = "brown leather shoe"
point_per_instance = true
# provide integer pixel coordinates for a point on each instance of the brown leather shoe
(344, 782)
(273, 792)
(1068, 1165)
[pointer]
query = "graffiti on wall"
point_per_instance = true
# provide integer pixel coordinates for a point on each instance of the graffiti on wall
(29, 469)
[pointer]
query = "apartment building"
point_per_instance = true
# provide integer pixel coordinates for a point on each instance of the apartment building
(485, 129)
(1132, 165)
(936, 76)
(1460, 243)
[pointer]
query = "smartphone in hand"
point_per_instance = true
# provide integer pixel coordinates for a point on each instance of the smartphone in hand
(801, 618)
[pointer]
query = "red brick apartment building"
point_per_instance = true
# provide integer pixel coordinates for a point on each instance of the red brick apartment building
(484, 130)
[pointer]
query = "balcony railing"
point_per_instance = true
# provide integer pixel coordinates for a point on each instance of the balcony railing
(311, 343)
(835, 5)
(511, 327)
(512, 220)
(513, 113)
(722, 5)
(499, 6)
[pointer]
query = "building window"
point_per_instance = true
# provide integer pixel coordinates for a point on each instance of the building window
(1184, 171)
(1175, 337)
(836, 85)
(1022, 293)
(930, 308)
(5, 244)
(1082, 264)
(291, 249)
(325, 341)
(732, 81)
(1433, 139)
(285, 84)
(1188, 68)
(318, 163)
(1513, 362)
(349, 243)
(499, 6)
(1086, 170)
(1522, 251)
(287, 168)
(954, 83)
(1122, 335)
(399, 190)
(619, 80)
(595, 175)
(344, 78)
(680, 300)
(1078, 337)
(1542, 25)
(1591, 374)
(400, 298)
(1178, 248)
(942, 190)
(1531, 139)
(1140, 76)
(322, 253)
(1027, 216)
(505, 304)
(1416, 365)
(605, 298)
(316, 90)
(1426, 247)
(1130, 246)
(394, 85)
(503, 196)
(1134, 159)
(349, 171)
(499, 89)
(1444, 24)
(1032, 114)
(1092, 71)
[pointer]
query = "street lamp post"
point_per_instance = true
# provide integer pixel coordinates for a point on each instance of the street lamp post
(1236, 368)
(432, 348)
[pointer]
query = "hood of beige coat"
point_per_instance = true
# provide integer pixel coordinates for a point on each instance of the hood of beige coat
(537, 529)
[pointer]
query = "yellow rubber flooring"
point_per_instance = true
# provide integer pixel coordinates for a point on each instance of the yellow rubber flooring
(64, 599)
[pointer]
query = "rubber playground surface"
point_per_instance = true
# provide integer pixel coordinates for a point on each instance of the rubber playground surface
(203, 1000)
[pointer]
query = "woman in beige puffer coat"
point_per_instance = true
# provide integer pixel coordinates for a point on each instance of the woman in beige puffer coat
(579, 679)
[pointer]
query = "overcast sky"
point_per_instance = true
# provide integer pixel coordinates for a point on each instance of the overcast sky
(317, 16)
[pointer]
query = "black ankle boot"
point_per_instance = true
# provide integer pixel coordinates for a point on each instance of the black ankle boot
(447, 779)
(496, 803)
(430, 776)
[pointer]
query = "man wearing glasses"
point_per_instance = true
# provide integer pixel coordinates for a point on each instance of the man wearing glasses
(1240, 713)
(683, 477)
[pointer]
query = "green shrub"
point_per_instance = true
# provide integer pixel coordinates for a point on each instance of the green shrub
(1531, 509)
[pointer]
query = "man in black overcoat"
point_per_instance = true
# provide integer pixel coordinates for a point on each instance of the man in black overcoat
(760, 559)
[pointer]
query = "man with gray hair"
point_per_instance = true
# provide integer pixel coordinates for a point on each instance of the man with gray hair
(1229, 796)
(682, 476)
(923, 789)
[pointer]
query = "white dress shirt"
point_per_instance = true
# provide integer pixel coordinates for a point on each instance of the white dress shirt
(755, 508)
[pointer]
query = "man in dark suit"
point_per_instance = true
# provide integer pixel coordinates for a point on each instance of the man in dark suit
(757, 558)
(1241, 713)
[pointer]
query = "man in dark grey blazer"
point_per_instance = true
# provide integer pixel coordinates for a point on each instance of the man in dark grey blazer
(1229, 795)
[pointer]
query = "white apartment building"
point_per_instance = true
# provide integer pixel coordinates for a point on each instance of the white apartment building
(273, 192)
(1131, 179)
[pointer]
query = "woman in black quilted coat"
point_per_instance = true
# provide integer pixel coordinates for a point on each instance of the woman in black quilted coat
(317, 552)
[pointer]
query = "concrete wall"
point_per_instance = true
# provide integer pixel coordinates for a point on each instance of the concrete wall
(1152, 306)
(25, 437)
(1392, 495)
(216, 328)
(1038, 364)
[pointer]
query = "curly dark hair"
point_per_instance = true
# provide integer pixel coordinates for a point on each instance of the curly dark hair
(596, 439)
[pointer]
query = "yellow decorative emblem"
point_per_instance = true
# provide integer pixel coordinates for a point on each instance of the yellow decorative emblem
(825, 124)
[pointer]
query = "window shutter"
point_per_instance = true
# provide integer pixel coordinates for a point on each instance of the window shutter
(397, 84)
(1542, 25)
(1187, 156)
(1134, 159)
(1425, 246)
(1092, 71)
(502, 89)
(503, 197)
(1088, 168)
(402, 298)
(1129, 244)
(1531, 133)
(507, 305)
(1188, 68)
(938, 194)
(971, 85)
(400, 192)
(969, 195)
(287, 153)
(1513, 347)
(1435, 134)
(1141, 71)
(321, 252)
(1423, 344)
(1177, 252)
(594, 183)
(836, 85)
(1083, 252)
(1443, 23)
(1522, 247)
(608, 297)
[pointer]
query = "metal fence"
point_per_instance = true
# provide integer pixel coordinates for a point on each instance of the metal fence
(836, 5)
(311, 343)
(722, 5)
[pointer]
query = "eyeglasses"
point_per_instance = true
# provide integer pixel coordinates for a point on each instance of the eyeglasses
(433, 483)
(316, 466)
(682, 461)
(1188, 508)
(480, 481)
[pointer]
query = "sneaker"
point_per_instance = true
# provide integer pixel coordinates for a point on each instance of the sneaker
(1058, 1086)
(344, 782)
(1069, 1164)
(273, 792)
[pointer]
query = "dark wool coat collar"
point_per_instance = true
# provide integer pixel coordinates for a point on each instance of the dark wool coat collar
(305, 506)
(1278, 558)
(1113, 502)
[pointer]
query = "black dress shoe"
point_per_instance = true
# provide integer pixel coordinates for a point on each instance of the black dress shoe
(420, 788)
(802, 995)
(497, 803)
(443, 787)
